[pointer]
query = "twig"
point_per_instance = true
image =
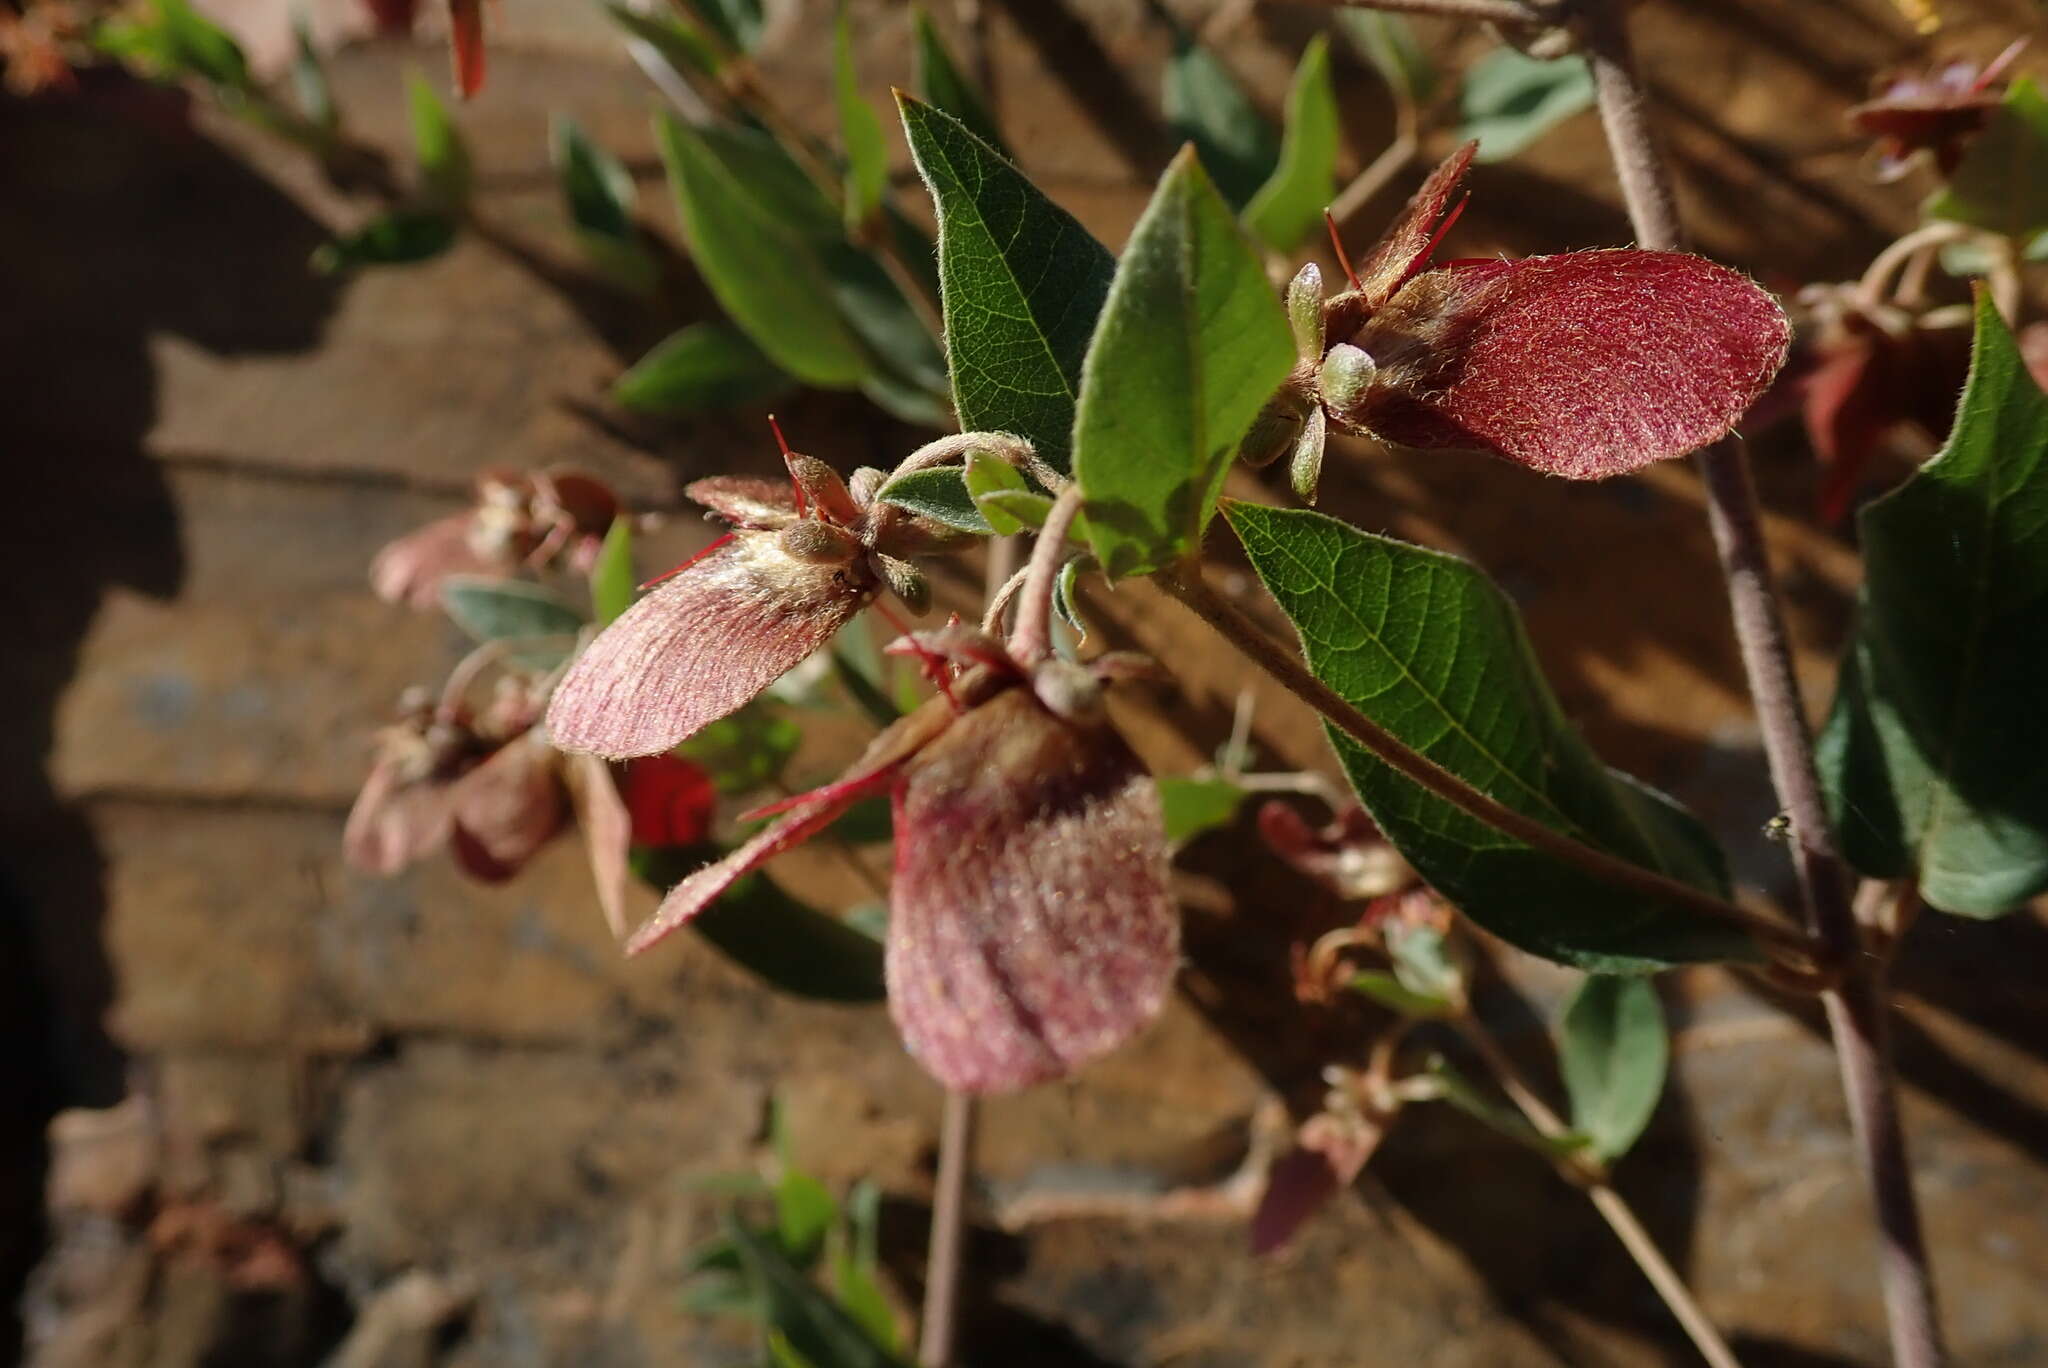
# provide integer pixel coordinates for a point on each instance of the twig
(1366, 186)
(1188, 586)
(1855, 1009)
(1488, 11)
(1031, 642)
(1611, 1205)
(940, 1324)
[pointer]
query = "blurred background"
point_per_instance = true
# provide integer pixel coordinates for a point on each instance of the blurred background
(303, 1112)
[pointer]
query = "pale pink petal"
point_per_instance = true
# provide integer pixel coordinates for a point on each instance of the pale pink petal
(394, 821)
(410, 569)
(1030, 927)
(698, 647)
(1586, 365)
(507, 808)
(607, 833)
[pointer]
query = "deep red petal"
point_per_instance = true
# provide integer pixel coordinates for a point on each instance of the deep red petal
(1030, 927)
(1404, 248)
(698, 647)
(466, 33)
(1586, 365)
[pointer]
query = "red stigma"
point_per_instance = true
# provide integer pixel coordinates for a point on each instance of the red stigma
(1343, 257)
(671, 574)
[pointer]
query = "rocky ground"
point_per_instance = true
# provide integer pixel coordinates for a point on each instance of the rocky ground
(417, 1122)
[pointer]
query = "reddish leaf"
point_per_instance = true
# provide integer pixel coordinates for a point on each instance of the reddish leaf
(466, 32)
(607, 832)
(1030, 926)
(1844, 420)
(1586, 365)
(699, 646)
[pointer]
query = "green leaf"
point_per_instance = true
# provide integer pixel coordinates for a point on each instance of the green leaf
(437, 145)
(1388, 42)
(738, 23)
(1021, 282)
(1933, 761)
(1473, 1100)
(745, 750)
(1190, 346)
(815, 1326)
(757, 266)
(1205, 106)
(874, 307)
(1612, 1049)
(940, 494)
(1427, 647)
(1290, 205)
(1422, 962)
(612, 581)
(1388, 990)
(804, 1213)
(705, 366)
(309, 81)
(940, 84)
(199, 46)
(1510, 100)
(1066, 603)
(402, 237)
(599, 192)
(854, 1265)
(1973, 256)
(501, 609)
(1193, 806)
(860, 129)
(681, 43)
(993, 484)
(717, 1293)
(793, 947)
(2002, 182)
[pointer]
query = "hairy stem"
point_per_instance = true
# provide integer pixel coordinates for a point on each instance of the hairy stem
(1855, 1009)
(1490, 11)
(1187, 585)
(1611, 1205)
(939, 1327)
(1031, 642)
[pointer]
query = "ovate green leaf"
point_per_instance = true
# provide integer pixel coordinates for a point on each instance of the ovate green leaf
(1021, 282)
(760, 268)
(1613, 1050)
(705, 366)
(939, 494)
(437, 145)
(1206, 106)
(1289, 206)
(1935, 759)
(681, 43)
(867, 155)
(2002, 183)
(1427, 647)
(1190, 346)
(599, 192)
(1510, 100)
(1192, 806)
(941, 84)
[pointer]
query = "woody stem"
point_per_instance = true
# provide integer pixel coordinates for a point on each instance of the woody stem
(1856, 1010)
(1490, 11)
(1031, 642)
(939, 1327)
(1187, 585)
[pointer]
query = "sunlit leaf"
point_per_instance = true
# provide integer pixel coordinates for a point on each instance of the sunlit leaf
(612, 580)
(1612, 1049)
(1289, 206)
(437, 145)
(705, 366)
(1021, 282)
(745, 750)
(1426, 646)
(939, 493)
(738, 23)
(1935, 766)
(1190, 345)
(815, 1325)
(1510, 100)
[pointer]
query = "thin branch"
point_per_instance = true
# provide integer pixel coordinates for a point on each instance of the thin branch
(1856, 1009)
(1188, 586)
(1367, 185)
(1611, 1205)
(940, 1325)
(1031, 642)
(1488, 11)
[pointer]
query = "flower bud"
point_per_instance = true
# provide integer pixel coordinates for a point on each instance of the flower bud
(1305, 311)
(1346, 374)
(817, 543)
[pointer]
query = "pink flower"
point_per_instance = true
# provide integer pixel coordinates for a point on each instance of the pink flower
(1030, 927)
(801, 561)
(1936, 112)
(1584, 365)
(517, 520)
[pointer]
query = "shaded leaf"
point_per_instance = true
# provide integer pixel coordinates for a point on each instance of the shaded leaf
(757, 266)
(681, 43)
(940, 494)
(1205, 105)
(789, 945)
(1934, 762)
(746, 750)
(1192, 806)
(437, 145)
(1388, 42)
(1189, 347)
(600, 194)
(1479, 1104)
(2002, 182)
(197, 45)
(854, 1267)
(402, 237)
(814, 1325)
(1612, 1049)
(612, 581)
(1510, 100)
(1021, 283)
(941, 84)
(804, 1214)
(500, 609)
(1426, 646)
(704, 366)
(738, 23)
(860, 130)
(1289, 206)
(1388, 990)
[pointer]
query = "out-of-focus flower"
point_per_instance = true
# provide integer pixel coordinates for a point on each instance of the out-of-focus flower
(1348, 855)
(1330, 1150)
(517, 520)
(802, 560)
(1935, 111)
(1030, 927)
(402, 812)
(1584, 365)
(33, 44)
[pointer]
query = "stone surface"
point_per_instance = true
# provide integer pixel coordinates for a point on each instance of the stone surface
(348, 1082)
